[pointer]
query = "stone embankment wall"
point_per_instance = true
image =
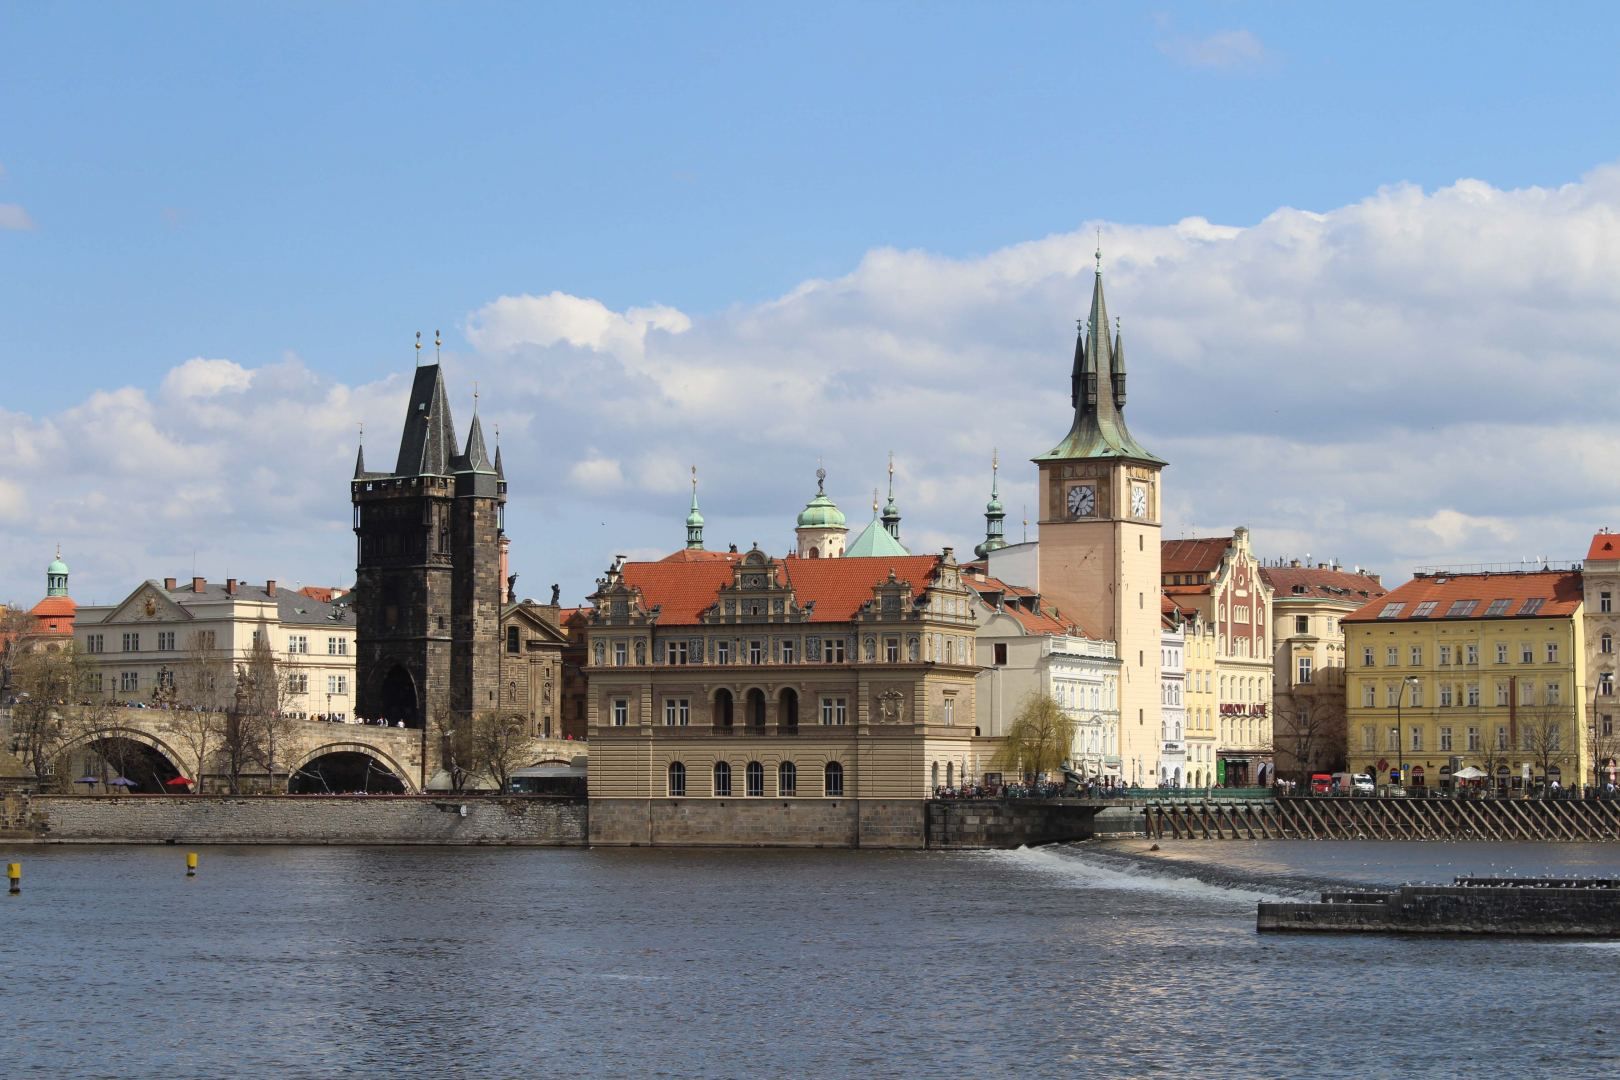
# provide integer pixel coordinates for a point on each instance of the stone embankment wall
(298, 819)
(1011, 823)
(1447, 909)
(834, 823)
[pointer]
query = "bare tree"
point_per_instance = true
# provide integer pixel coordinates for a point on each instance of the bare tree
(497, 741)
(1039, 739)
(1547, 733)
(240, 739)
(44, 682)
(1309, 725)
(268, 699)
(458, 752)
(1602, 744)
(15, 625)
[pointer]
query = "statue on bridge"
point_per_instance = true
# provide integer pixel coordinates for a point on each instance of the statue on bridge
(1073, 782)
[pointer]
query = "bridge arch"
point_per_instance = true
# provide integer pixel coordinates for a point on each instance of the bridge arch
(348, 766)
(137, 755)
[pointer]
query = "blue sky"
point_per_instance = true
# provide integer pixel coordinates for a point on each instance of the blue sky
(295, 191)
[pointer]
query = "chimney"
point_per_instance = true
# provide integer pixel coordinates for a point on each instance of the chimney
(198, 584)
(270, 588)
(169, 584)
(230, 586)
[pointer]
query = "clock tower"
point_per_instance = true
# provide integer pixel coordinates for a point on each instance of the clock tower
(1099, 534)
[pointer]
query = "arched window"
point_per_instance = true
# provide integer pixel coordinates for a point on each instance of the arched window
(787, 711)
(934, 776)
(722, 778)
(723, 707)
(756, 709)
(835, 778)
(677, 779)
(950, 774)
(756, 779)
(511, 639)
(787, 779)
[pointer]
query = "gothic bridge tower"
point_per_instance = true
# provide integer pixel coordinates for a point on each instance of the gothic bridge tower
(428, 586)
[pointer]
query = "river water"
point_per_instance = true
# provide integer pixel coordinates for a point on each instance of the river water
(1077, 961)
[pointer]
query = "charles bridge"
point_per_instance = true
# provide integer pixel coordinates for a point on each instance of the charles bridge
(157, 748)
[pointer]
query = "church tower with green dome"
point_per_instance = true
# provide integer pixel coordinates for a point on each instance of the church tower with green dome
(694, 520)
(994, 515)
(822, 531)
(56, 576)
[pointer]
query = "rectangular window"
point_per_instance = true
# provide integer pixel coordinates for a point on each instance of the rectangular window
(1366, 656)
(298, 684)
(1000, 653)
(129, 680)
(1555, 738)
(891, 650)
(1424, 610)
(1392, 657)
(1473, 739)
(1473, 654)
(1501, 693)
(1473, 695)
(132, 642)
(1606, 683)
(1304, 669)
(95, 682)
(722, 652)
(337, 646)
(1552, 652)
(1302, 624)
(1605, 602)
(1608, 720)
(1416, 697)
(621, 712)
(1391, 611)
(1369, 738)
(1445, 656)
(1417, 738)
(1393, 743)
(835, 650)
(788, 651)
(1501, 737)
(677, 712)
(1497, 608)
(1552, 693)
(1445, 695)
(1527, 693)
(1392, 695)
(834, 711)
(95, 643)
(1532, 606)
(756, 652)
(1527, 655)
(1445, 740)
(165, 641)
(1369, 694)
(1501, 652)
(1461, 609)
(1417, 656)
(676, 652)
(621, 653)
(950, 710)
(297, 643)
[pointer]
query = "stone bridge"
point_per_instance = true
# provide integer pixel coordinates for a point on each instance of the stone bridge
(154, 747)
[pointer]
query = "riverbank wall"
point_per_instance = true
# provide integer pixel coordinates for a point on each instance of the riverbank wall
(522, 820)
(1472, 906)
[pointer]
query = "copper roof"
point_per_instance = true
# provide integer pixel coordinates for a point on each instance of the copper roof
(1544, 594)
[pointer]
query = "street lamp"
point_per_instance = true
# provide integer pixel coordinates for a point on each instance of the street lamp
(1400, 751)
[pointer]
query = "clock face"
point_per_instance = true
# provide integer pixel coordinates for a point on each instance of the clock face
(1139, 500)
(1082, 500)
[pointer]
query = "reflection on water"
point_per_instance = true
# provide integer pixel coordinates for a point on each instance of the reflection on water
(1075, 961)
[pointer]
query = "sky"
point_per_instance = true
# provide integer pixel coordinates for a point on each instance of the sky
(1366, 261)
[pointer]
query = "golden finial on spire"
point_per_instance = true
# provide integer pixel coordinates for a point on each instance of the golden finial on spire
(437, 341)
(694, 479)
(995, 459)
(419, 346)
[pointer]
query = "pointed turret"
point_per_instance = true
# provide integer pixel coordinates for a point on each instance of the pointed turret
(994, 514)
(1119, 367)
(1099, 429)
(499, 470)
(891, 511)
(428, 442)
(694, 520)
(360, 462)
(476, 459)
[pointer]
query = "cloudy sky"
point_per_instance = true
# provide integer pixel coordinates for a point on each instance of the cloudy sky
(1369, 282)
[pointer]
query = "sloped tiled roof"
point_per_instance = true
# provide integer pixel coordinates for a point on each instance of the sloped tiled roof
(1605, 547)
(838, 587)
(696, 555)
(1319, 583)
(54, 607)
(1559, 593)
(1195, 555)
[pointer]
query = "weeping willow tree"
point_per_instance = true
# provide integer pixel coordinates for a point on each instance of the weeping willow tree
(1039, 739)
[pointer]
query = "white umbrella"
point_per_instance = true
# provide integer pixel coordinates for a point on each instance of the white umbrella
(1468, 773)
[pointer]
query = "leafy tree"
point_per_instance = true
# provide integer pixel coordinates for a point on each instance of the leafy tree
(1039, 739)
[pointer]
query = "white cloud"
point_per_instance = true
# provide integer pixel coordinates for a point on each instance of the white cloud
(1223, 50)
(14, 217)
(1415, 378)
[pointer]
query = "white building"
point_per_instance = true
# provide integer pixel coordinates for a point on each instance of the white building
(183, 642)
(1173, 705)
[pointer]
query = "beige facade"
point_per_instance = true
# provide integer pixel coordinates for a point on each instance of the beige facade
(1601, 589)
(532, 645)
(182, 641)
(841, 688)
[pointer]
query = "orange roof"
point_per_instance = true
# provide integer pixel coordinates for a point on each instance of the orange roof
(1199, 555)
(683, 590)
(1544, 594)
(323, 593)
(1043, 622)
(693, 555)
(55, 607)
(1605, 545)
(1320, 583)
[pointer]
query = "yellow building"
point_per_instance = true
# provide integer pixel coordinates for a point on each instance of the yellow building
(1486, 671)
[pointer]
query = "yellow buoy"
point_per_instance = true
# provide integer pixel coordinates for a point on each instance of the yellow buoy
(191, 864)
(14, 874)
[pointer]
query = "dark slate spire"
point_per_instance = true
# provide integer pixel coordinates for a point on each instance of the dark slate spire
(1099, 429)
(476, 459)
(360, 462)
(428, 442)
(500, 472)
(1119, 367)
(1078, 376)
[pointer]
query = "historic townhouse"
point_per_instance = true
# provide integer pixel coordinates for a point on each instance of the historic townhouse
(1219, 578)
(1483, 671)
(1601, 585)
(182, 641)
(742, 699)
(1199, 711)
(1173, 704)
(1027, 649)
(1308, 606)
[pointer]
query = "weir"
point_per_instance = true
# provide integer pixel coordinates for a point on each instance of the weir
(1384, 818)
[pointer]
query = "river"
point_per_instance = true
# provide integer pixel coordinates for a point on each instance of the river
(1076, 961)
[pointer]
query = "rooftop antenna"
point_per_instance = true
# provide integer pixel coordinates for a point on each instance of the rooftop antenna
(475, 397)
(419, 348)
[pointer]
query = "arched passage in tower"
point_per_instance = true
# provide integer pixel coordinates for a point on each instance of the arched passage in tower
(399, 701)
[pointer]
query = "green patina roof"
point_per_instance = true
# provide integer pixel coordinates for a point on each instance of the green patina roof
(1099, 429)
(57, 566)
(874, 541)
(821, 512)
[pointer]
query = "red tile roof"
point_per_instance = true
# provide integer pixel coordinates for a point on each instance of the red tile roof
(683, 590)
(1319, 583)
(1558, 590)
(55, 607)
(1605, 545)
(1198, 555)
(690, 555)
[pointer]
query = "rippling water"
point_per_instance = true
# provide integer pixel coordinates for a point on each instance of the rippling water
(1078, 961)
